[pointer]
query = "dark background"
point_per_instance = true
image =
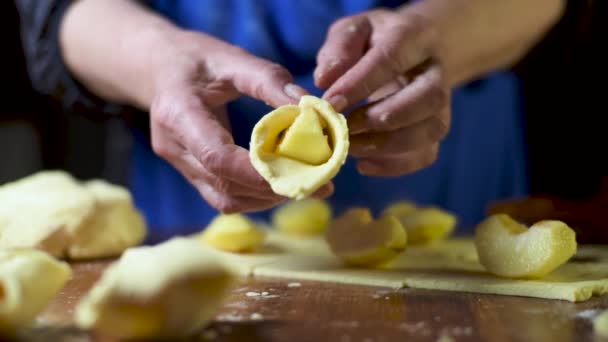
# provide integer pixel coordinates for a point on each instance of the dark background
(564, 90)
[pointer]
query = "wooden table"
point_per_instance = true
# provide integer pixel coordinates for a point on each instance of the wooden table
(338, 313)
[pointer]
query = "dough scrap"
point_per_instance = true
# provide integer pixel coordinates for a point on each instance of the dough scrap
(29, 280)
(169, 290)
(509, 249)
(359, 240)
(233, 233)
(448, 265)
(306, 217)
(114, 226)
(423, 225)
(600, 324)
(54, 212)
(291, 177)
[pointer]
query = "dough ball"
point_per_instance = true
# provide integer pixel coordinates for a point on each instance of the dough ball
(359, 240)
(306, 217)
(233, 233)
(166, 291)
(509, 249)
(298, 149)
(29, 280)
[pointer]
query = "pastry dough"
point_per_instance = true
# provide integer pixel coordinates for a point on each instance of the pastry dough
(423, 225)
(43, 211)
(114, 226)
(233, 233)
(359, 240)
(54, 212)
(509, 249)
(600, 324)
(169, 290)
(306, 217)
(449, 265)
(288, 150)
(29, 279)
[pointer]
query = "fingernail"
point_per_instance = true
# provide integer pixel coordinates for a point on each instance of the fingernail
(339, 102)
(294, 91)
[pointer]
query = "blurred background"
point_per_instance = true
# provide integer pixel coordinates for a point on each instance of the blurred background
(563, 81)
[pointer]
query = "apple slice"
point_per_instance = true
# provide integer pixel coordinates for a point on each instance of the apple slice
(423, 225)
(304, 140)
(509, 249)
(307, 217)
(359, 240)
(233, 233)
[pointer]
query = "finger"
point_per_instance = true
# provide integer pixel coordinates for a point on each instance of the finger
(397, 142)
(398, 49)
(263, 80)
(401, 165)
(343, 47)
(234, 204)
(423, 98)
(195, 172)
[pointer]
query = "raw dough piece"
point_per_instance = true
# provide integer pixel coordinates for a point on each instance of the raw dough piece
(169, 290)
(295, 166)
(233, 233)
(306, 217)
(423, 225)
(114, 226)
(446, 266)
(509, 249)
(54, 212)
(29, 279)
(359, 240)
(600, 324)
(43, 211)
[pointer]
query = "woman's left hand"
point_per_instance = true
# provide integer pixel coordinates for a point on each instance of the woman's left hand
(391, 59)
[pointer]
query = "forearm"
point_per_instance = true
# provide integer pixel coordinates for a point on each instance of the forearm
(479, 36)
(113, 46)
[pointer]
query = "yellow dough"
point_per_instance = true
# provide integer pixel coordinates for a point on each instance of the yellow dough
(169, 290)
(54, 212)
(423, 225)
(447, 265)
(509, 249)
(29, 280)
(114, 226)
(359, 240)
(600, 324)
(306, 217)
(289, 147)
(233, 233)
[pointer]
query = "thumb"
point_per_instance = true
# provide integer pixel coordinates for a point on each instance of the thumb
(264, 80)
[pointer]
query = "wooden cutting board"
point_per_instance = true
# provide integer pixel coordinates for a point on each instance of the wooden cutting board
(285, 310)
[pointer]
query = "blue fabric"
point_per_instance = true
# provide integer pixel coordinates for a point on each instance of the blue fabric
(481, 160)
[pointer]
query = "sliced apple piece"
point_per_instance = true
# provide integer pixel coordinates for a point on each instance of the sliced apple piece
(423, 225)
(233, 233)
(359, 240)
(307, 217)
(509, 249)
(304, 140)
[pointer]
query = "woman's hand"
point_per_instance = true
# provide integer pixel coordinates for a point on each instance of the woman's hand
(189, 125)
(392, 60)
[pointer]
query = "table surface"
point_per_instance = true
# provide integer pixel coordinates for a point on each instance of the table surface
(317, 311)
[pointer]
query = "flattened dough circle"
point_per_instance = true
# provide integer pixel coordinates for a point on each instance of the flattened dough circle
(288, 176)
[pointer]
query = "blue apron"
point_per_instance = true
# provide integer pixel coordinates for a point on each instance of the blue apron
(482, 158)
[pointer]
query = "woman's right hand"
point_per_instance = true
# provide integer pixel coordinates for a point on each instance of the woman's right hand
(196, 77)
